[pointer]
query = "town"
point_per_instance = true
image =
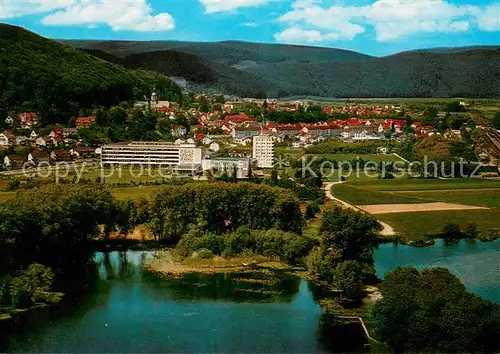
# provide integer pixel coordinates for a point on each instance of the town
(212, 132)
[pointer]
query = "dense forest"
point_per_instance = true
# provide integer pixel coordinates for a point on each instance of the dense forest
(285, 70)
(51, 78)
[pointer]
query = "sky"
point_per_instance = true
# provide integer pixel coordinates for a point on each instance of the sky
(376, 27)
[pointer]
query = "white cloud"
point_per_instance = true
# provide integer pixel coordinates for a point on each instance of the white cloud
(299, 35)
(489, 18)
(391, 19)
(134, 15)
(213, 6)
(251, 24)
(19, 8)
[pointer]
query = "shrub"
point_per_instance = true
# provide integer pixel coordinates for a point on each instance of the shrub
(452, 231)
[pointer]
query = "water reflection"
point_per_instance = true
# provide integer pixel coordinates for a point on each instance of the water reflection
(131, 310)
(476, 264)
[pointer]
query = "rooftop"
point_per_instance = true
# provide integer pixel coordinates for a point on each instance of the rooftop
(159, 144)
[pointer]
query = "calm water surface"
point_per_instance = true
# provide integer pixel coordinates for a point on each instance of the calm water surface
(133, 311)
(477, 264)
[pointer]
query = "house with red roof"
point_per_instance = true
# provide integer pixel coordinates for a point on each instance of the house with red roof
(85, 122)
(28, 119)
(327, 110)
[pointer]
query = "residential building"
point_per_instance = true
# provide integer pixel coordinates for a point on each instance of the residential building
(36, 157)
(214, 147)
(28, 119)
(68, 131)
(9, 121)
(85, 122)
(263, 151)
(245, 131)
(183, 157)
(21, 140)
(179, 130)
(220, 165)
(40, 141)
(4, 140)
(14, 161)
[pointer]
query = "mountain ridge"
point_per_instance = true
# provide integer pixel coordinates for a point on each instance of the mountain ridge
(283, 70)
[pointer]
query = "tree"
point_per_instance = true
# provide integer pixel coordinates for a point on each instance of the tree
(116, 116)
(452, 231)
(348, 276)
(344, 258)
(204, 104)
(274, 176)
(312, 209)
(250, 172)
(235, 175)
(431, 311)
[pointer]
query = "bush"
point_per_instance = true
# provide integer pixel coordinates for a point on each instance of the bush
(452, 232)
(203, 253)
(311, 210)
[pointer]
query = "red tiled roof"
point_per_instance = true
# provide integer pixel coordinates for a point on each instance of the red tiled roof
(85, 121)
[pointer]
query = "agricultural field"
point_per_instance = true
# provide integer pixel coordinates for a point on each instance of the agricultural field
(422, 224)
(128, 193)
(365, 157)
(133, 193)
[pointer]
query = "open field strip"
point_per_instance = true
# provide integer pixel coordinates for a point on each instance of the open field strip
(405, 184)
(419, 209)
(349, 157)
(415, 208)
(424, 225)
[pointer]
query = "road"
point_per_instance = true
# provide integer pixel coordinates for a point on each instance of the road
(387, 230)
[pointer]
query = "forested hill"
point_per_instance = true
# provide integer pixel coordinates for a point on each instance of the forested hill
(203, 74)
(284, 70)
(43, 75)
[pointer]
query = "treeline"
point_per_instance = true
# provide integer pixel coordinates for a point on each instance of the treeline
(44, 236)
(57, 81)
(223, 207)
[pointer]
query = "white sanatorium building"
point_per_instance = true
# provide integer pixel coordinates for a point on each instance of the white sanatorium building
(182, 157)
(263, 151)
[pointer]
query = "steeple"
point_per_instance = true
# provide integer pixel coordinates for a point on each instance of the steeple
(154, 96)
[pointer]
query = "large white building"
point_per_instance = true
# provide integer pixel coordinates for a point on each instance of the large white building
(263, 151)
(181, 157)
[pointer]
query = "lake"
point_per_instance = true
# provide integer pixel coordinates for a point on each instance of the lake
(133, 311)
(129, 310)
(476, 264)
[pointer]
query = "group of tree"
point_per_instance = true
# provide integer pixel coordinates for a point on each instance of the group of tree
(431, 311)
(45, 235)
(272, 243)
(344, 258)
(222, 207)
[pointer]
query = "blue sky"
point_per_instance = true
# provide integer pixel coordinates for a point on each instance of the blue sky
(377, 27)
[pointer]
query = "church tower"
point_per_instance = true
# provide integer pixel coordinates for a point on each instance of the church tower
(154, 96)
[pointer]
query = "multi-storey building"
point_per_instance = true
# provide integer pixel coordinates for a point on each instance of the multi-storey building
(181, 157)
(263, 151)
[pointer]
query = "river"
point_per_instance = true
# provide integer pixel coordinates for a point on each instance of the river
(130, 310)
